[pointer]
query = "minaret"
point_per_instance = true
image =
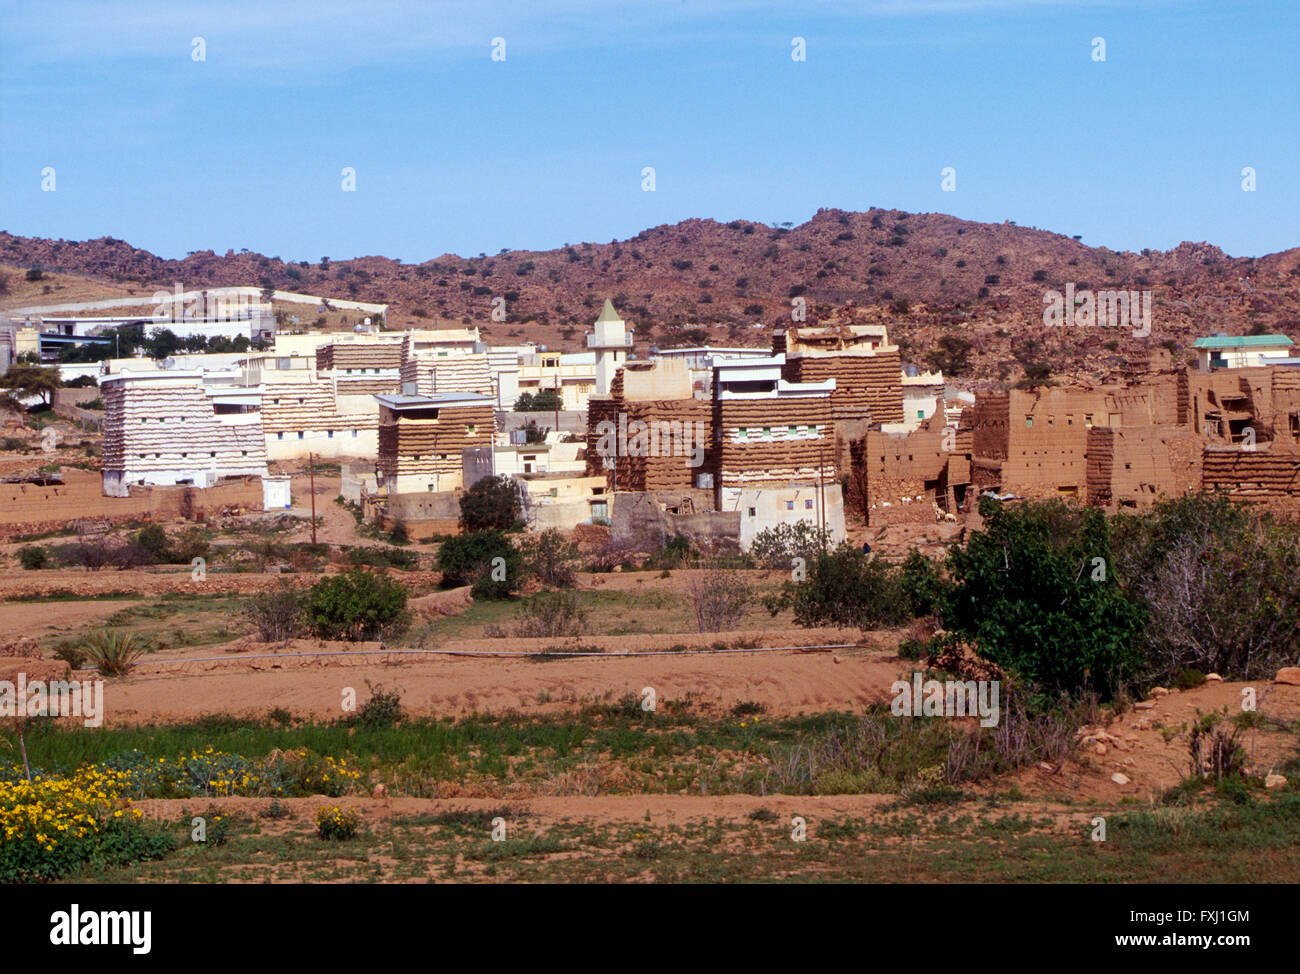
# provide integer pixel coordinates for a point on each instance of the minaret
(610, 341)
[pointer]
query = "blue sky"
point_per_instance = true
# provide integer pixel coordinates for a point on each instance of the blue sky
(455, 152)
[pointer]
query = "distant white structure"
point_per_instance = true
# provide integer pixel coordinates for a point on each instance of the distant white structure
(610, 340)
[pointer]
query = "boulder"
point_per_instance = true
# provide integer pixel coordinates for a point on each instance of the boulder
(1289, 675)
(1120, 778)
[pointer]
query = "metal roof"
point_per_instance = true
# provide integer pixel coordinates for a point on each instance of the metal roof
(1242, 341)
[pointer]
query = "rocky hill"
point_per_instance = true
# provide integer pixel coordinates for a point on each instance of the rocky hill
(928, 275)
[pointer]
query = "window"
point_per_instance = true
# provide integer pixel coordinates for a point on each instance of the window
(789, 505)
(470, 428)
(1087, 420)
(1029, 421)
(794, 430)
(279, 436)
(245, 453)
(920, 414)
(807, 504)
(752, 512)
(330, 434)
(354, 433)
(300, 435)
(213, 453)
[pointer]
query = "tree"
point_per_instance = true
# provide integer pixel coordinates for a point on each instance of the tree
(491, 504)
(1037, 593)
(357, 605)
(1221, 584)
(951, 357)
(485, 560)
(32, 380)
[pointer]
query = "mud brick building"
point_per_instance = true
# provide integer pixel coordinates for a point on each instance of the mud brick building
(775, 447)
(1133, 467)
(866, 368)
(169, 428)
(361, 368)
(427, 374)
(422, 439)
(650, 433)
(917, 478)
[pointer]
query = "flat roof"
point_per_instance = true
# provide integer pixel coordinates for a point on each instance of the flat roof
(399, 401)
(1242, 341)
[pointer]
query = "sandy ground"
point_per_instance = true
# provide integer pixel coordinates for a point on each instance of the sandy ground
(784, 682)
(43, 618)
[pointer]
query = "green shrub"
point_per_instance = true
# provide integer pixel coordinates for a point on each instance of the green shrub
(551, 614)
(1029, 596)
(382, 709)
(1221, 584)
(33, 558)
(491, 504)
(358, 605)
(472, 559)
(777, 547)
(153, 540)
(845, 587)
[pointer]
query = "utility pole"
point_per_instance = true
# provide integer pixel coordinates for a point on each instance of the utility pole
(311, 472)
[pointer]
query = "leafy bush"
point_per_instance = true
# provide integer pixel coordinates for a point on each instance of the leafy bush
(114, 653)
(550, 557)
(274, 614)
(358, 605)
(57, 824)
(382, 709)
(777, 547)
(153, 540)
(335, 824)
(675, 551)
(72, 653)
(845, 587)
(33, 558)
(471, 559)
(491, 504)
(1026, 594)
